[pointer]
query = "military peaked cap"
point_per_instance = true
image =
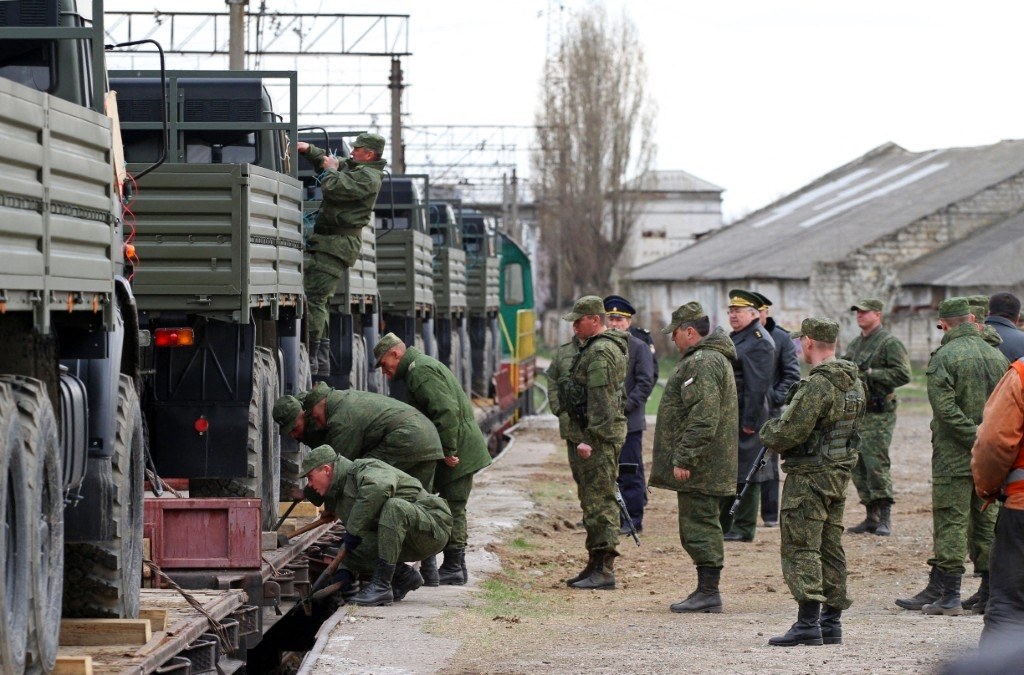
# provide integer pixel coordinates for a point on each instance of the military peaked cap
(740, 298)
(616, 305)
(765, 303)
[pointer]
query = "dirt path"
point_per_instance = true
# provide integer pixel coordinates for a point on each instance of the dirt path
(523, 619)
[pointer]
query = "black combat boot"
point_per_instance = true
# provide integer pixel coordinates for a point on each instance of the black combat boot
(378, 592)
(593, 559)
(976, 603)
(831, 626)
(706, 598)
(948, 603)
(930, 593)
(465, 569)
(603, 575)
(450, 573)
(806, 630)
(323, 357)
(870, 522)
(428, 570)
(884, 528)
(406, 579)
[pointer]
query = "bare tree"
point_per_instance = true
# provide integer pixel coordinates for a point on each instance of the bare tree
(594, 127)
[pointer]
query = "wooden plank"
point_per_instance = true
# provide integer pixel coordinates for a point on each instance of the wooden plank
(303, 509)
(157, 618)
(73, 665)
(98, 632)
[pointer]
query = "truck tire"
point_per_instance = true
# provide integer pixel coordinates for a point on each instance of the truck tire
(467, 360)
(360, 365)
(104, 578)
(254, 485)
(270, 491)
(14, 536)
(292, 451)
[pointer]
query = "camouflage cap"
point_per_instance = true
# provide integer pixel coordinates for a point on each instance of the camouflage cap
(818, 329)
(588, 305)
(979, 306)
(956, 306)
(317, 457)
(310, 398)
(741, 298)
(371, 141)
(868, 305)
(286, 410)
(383, 346)
(691, 311)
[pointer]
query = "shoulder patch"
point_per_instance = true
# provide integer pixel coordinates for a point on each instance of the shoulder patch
(412, 365)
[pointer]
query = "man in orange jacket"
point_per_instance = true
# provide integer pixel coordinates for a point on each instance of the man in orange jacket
(998, 467)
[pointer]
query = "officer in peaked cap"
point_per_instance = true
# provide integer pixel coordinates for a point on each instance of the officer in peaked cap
(640, 378)
(754, 370)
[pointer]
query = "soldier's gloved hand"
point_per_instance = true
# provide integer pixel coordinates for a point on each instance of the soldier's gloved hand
(351, 541)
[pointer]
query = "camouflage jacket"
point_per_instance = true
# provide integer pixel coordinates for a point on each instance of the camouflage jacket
(697, 420)
(598, 381)
(816, 404)
(434, 391)
(962, 373)
(361, 423)
(360, 488)
(889, 363)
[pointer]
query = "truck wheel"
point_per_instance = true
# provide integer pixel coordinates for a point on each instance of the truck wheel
(360, 365)
(104, 578)
(270, 491)
(14, 535)
(253, 485)
(293, 452)
(467, 361)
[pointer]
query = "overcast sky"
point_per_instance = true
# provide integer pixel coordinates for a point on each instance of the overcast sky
(756, 96)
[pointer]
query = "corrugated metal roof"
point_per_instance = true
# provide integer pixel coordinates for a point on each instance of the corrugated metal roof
(875, 195)
(672, 181)
(992, 257)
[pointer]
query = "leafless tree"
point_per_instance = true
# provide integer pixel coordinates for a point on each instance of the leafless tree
(594, 137)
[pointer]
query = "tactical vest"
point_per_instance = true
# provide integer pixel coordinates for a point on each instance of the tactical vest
(572, 390)
(835, 442)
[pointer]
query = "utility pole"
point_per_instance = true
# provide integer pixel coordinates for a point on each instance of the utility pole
(236, 34)
(397, 146)
(516, 234)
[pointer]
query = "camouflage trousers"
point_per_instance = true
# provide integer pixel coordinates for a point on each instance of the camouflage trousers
(813, 560)
(595, 485)
(960, 529)
(456, 493)
(744, 521)
(406, 532)
(700, 527)
(320, 275)
(871, 475)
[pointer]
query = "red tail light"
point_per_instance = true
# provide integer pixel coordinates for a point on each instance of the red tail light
(202, 425)
(173, 337)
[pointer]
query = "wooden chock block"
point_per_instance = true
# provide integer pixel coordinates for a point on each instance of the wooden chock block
(303, 509)
(157, 618)
(73, 665)
(104, 632)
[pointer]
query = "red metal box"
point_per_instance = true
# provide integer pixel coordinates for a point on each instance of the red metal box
(203, 533)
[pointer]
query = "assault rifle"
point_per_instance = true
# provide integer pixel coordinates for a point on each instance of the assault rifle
(625, 515)
(759, 463)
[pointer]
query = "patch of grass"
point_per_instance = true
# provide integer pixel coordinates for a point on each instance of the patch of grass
(521, 544)
(505, 596)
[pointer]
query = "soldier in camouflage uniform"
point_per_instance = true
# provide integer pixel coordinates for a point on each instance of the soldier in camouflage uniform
(884, 365)
(817, 439)
(585, 390)
(962, 373)
(363, 424)
(434, 391)
(389, 520)
(695, 446)
(349, 193)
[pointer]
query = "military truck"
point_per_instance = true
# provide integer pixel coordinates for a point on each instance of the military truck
(71, 431)
(218, 279)
(450, 293)
(483, 270)
(353, 312)
(405, 261)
